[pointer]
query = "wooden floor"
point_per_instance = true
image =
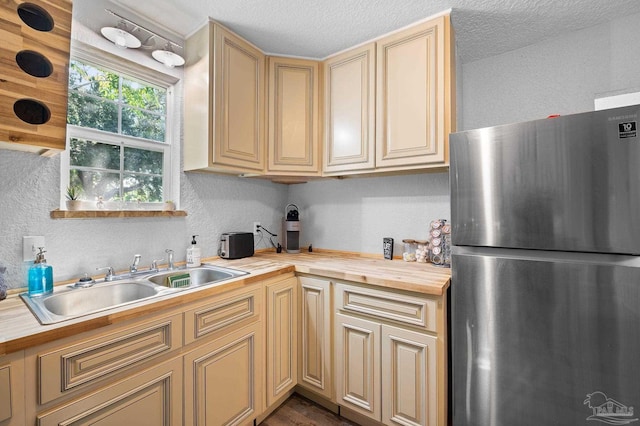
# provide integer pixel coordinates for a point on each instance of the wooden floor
(298, 410)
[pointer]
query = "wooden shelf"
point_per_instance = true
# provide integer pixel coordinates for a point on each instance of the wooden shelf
(100, 214)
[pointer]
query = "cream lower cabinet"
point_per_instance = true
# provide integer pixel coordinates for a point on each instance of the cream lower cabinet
(223, 383)
(282, 338)
(390, 359)
(152, 397)
(12, 389)
(315, 368)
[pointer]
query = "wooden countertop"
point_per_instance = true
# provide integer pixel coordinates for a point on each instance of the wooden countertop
(20, 329)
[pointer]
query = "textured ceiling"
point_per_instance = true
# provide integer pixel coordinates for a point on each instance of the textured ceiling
(318, 28)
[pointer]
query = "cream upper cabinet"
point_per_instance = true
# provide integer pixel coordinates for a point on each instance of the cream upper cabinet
(224, 123)
(293, 117)
(349, 111)
(414, 101)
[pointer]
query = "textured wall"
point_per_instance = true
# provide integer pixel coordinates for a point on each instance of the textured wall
(355, 214)
(215, 204)
(559, 76)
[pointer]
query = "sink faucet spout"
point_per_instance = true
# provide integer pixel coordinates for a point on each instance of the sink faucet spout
(170, 264)
(136, 261)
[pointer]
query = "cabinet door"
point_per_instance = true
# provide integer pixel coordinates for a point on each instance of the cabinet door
(349, 96)
(12, 393)
(315, 370)
(224, 119)
(153, 397)
(413, 96)
(357, 354)
(239, 101)
(293, 116)
(282, 338)
(223, 380)
(408, 377)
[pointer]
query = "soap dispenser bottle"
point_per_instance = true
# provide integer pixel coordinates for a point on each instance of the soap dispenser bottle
(193, 254)
(40, 275)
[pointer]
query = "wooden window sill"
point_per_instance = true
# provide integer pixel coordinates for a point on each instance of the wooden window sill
(100, 214)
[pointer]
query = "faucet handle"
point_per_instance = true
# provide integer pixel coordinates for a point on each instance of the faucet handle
(154, 263)
(109, 275)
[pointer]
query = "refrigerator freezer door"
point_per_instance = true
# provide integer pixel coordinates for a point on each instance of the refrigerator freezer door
(543, 342)
(570, 183)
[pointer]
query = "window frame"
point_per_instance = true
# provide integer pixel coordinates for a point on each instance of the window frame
(170, 147)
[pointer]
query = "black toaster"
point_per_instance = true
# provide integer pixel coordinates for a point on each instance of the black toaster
(236, 245)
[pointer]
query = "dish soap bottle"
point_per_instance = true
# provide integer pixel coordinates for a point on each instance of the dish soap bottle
(193, 254)
(40, 276)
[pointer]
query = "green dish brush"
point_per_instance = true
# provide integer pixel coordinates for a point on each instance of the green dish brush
(177, 281)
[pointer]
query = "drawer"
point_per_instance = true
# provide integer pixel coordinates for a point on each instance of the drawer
(227, 313)
(72, 367)
(399, 307)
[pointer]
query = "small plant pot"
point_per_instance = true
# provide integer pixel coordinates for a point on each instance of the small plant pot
(74, 205)
(169, 206)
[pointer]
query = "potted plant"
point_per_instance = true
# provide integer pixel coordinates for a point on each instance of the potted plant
(169, 206)
(72, 195)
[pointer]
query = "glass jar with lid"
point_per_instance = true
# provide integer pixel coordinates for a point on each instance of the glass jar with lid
(409, 253)
(422, 251)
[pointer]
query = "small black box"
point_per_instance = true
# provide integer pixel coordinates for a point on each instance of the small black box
(236, 245)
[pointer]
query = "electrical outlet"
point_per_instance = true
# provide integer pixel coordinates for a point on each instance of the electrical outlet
(30, 246)
(256, 228)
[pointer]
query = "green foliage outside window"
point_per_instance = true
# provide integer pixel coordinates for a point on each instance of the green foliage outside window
(107, 101)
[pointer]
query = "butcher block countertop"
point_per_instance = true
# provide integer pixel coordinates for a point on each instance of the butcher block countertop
(20, 329)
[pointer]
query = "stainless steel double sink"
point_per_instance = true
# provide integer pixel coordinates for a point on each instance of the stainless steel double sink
(73, 302)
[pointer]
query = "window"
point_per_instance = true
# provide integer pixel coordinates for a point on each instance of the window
(119, 143)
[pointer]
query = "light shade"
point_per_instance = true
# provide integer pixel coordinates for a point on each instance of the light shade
(120, 37)
(168, 57)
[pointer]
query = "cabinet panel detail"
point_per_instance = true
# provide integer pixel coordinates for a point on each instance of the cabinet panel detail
(358, 365)
(221, 384)
(315, 369)
(153, 397)
(413, 87)
(293, 115)
(282, 339)
(222, 316)
(408, 377)
(5, 393)
(350, 110)
(67, 368)
(398, 307)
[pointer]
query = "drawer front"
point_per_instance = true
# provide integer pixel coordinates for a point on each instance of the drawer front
(68, 368)
(213, 320)
(398, 307)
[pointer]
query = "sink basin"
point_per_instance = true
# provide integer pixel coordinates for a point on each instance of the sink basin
(203, 275)
(69, 303)
(72, 303)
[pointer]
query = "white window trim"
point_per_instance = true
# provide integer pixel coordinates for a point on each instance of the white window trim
(171, 180)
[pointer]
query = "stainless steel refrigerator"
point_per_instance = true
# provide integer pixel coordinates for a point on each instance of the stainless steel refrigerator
(545, 272)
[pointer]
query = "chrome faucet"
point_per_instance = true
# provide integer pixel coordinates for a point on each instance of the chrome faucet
(134, 266)
(170, 265)
(109, 275)
(154, 264)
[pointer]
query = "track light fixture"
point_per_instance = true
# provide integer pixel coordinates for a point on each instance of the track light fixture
(122, 37)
